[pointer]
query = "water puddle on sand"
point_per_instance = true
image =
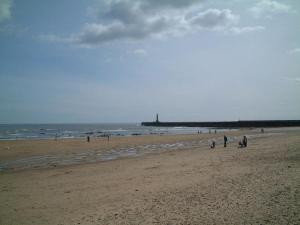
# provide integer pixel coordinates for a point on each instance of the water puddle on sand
(47, 161)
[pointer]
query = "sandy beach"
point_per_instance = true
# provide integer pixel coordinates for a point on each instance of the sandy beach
(168, 179)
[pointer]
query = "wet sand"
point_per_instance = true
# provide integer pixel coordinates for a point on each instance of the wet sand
(179, 181)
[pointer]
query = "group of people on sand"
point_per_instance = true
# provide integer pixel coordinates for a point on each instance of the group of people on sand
(242, 144)
(88, 139)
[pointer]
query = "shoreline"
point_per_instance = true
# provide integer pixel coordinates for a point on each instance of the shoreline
(66, 131)
(219, 130)
(38, 154)
(93, 135)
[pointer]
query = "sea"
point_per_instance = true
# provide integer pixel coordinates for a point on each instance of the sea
(64, 131)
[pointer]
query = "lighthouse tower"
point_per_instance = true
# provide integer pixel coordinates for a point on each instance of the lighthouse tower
(157, 121)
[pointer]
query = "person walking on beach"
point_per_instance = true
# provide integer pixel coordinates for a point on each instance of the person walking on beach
(213, 144)
(245, 141)
(225, 141)
(88, 138)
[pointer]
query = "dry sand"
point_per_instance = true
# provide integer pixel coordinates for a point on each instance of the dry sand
(194, 185)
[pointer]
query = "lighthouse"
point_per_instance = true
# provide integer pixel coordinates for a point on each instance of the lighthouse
(157, 121)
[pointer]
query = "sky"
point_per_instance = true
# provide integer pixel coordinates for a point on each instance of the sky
(95, 61)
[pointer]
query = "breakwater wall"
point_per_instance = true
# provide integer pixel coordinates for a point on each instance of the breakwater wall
(228, 124)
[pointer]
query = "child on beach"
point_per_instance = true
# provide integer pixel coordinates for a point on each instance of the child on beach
(213, 144)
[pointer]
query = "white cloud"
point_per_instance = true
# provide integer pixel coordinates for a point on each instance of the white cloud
(55, 38)
(295, 51)
(140, 52)
(244, 30)
(293, 79)
(5, 9)
(266, 8)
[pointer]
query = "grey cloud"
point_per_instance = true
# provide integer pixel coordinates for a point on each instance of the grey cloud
(127, 12)
(133, 20)
(214, 18)
(130, 20)
(94, 34)
(155, 4)
(5, 9)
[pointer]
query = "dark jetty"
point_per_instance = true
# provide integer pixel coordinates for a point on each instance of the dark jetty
(227, 124)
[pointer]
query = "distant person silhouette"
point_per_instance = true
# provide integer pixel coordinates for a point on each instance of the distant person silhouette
(225, 141)
(88, 138)
(245, 141)
(262, 130)
(213, 144)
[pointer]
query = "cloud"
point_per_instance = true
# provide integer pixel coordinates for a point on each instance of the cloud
(127, 12)
(135, 20)
(97, 33)
(214, 18)
(266, 8)
(293, 79)
(140, 52)
(244, 30)
(5, 9)
(140, 19)
(150, 4)
(55, 38)
(295, 51)
(123, 22)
